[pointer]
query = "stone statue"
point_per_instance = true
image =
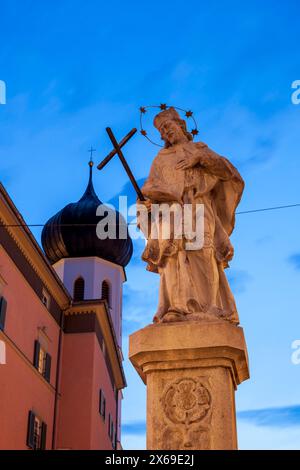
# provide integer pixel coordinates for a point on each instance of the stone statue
(193, 285)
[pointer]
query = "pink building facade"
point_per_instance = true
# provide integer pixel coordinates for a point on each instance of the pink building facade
(61, 376)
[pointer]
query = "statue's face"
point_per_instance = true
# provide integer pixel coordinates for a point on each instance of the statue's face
(172, 132)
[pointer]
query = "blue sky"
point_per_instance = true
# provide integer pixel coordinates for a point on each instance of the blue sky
(73, 67)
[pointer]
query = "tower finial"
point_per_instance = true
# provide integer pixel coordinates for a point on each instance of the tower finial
(91, 164)
(91, 151)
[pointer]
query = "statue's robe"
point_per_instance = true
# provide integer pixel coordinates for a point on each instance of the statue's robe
(194, 282)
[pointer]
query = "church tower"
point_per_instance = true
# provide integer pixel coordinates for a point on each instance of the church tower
(93, 272)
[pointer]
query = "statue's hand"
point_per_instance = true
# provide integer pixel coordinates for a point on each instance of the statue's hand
(189, 161)
(225, 252)
(229, 254)
(147, 203)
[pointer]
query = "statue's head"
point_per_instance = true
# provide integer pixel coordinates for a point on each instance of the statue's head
(171, 127)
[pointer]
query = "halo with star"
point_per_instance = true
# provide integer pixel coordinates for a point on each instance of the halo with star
(163, 106)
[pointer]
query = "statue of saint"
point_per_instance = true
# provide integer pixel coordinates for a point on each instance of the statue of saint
(193, 285)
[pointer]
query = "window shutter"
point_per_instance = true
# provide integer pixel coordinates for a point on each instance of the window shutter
(47, 367)
(3, 305)
(111, 430)
(112, 433)
(109, 424)
(100, 401)
(102, 404)
(30, 430)
(104, 407)
(43, 436)
(37, 348)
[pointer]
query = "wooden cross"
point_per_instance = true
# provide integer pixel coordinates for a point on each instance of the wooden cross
(117, 150)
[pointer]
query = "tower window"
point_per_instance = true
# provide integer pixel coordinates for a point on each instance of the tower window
(78, 292)
(105, 294)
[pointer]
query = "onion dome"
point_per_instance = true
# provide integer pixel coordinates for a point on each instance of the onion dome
(71, 233)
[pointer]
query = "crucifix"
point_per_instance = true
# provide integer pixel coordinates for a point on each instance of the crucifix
(117, 150)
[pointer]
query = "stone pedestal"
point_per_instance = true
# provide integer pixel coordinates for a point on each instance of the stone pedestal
(191, 370)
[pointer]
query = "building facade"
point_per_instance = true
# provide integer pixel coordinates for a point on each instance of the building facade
(61, 376)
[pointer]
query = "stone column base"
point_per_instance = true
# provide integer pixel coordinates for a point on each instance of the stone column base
(191, 370)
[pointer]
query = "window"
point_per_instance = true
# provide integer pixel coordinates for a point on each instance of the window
(112, 435)
(111, 429)
(102, 404)
(105, 292)
(46, 298)
(78, 291)
(3, 305)
(36, 432)
(42, 361)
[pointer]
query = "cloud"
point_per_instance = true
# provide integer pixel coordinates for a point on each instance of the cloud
(251, 437)
(238, 280)
(272, 417)
(264, 240)
(134, 442)
(275, 417)
(241, 135)
(135, 428)
(294, 260)
(262, 152)
(138, 248)
(140, 302)
(127, 190)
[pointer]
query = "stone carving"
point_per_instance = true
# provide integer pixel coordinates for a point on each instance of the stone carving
(187, 406)
(193, 285)
(186, 402)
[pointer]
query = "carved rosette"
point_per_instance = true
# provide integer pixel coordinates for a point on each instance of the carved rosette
(187, 408)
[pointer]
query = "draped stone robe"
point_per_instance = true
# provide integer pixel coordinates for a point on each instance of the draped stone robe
(193, 283)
